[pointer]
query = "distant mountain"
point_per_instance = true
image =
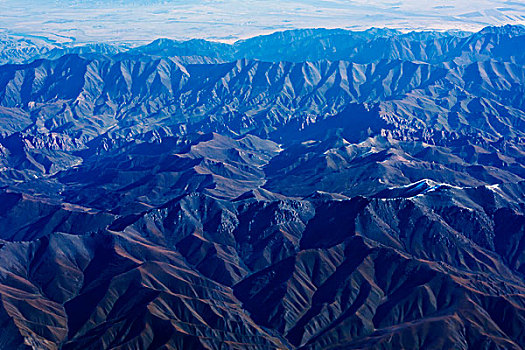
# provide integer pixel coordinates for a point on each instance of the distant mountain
(302, 45)
(18, 49)
(314, 189)
(359, 47)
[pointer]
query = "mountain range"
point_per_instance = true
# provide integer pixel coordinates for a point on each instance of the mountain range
(309, 189)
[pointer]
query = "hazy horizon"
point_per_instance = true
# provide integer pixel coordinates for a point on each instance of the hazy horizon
(230, 20)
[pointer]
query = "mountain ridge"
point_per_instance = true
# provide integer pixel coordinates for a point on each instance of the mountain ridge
(290, 45)
(152, 201)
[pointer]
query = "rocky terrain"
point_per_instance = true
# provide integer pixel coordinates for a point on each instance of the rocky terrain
(311, 189)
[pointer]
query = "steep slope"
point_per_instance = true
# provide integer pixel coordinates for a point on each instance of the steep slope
(425, 121)
(390, 273)
(304, 190)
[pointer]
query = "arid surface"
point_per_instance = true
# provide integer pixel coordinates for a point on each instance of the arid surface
(311, 189)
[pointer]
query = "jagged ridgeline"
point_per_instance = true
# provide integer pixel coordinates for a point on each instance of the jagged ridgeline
(310, 189)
